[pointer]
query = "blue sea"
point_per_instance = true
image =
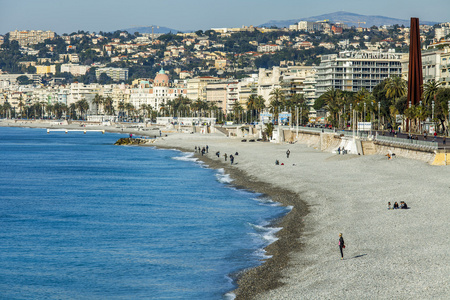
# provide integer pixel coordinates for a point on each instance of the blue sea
(81, 218)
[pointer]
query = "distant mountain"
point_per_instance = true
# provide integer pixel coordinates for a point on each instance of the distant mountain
(148, 29)
(350, 19)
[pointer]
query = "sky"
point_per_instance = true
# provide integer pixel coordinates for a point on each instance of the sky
(63, 16)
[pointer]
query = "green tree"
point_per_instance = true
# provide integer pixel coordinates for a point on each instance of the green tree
(98, 100)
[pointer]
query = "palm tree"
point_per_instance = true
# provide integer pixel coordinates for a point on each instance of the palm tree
(73, 110)
(83, 106)
(21, 104)
(98, 100)
(333, 101)
(237, 109)
(108, 105)
(269, 129)
(7, 109)
(251, 105)
(430, 90)
(129, 108)
(395, 87)
(121, 107)
(276, 99)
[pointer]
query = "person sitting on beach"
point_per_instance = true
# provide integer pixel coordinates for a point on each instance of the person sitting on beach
(389, 205)
(218, 153)
(277, 162)
(236, 154)
(403, 205)
(395, 205)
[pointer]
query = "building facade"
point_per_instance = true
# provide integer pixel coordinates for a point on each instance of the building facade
(354, 70)
(116, 74)
(32, 37)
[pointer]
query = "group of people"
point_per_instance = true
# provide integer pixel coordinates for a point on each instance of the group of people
(343, 150)
(226, 156)
(403, 205)
(202, 150)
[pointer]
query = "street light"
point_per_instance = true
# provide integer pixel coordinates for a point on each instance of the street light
(448, 121)
(379, 104)
(432, 113)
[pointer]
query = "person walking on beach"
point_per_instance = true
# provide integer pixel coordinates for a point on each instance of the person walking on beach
(341, 245)
(231, 158)
(287, 153)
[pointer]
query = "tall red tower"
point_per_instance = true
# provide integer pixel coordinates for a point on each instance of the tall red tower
(415, 77)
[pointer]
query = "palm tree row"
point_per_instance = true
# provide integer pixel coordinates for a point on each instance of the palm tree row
(387, 101)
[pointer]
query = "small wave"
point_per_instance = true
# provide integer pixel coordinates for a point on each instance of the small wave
(222, 177)
(267, 202)
(229, 296)
(262, 254)
(267, 233)
(186, 157)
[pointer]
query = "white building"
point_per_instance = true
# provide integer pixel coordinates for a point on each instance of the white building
(75, 70)
(353, 70)
(116, 74)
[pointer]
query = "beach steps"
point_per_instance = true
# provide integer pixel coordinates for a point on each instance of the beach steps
(222, 130)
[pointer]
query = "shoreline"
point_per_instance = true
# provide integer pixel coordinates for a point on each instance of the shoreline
(267, 276)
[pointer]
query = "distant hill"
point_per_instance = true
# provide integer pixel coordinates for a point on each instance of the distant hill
(148, 29)
(350, 19)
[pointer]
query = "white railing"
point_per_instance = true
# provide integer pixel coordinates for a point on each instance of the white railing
(418, 144)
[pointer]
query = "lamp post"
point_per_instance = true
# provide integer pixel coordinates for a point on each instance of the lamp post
(409, 125)
(364, 120)
(351, 119)
(432, 112)
(379, 115)
(448, 121)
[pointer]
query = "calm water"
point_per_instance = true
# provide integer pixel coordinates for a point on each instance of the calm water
(83, 219)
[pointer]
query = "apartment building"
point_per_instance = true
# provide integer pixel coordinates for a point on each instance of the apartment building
(435, 65)
(353, 70)
(196, 87)
(31, 37)
(216, 92)
(116, 74)
(74, 69)
(43, 70)
(269, 48)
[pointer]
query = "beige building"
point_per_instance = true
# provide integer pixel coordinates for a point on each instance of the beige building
(42, 70)
(30, 37)
(216, 92)
(196, 87)
(220, 64)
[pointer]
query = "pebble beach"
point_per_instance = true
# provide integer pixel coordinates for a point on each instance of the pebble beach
(389, 254)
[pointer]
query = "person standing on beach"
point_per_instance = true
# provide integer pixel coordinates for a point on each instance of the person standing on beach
(341, 245)
(207, 148)
(287, 153)
(231, 158)
(225, 155)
